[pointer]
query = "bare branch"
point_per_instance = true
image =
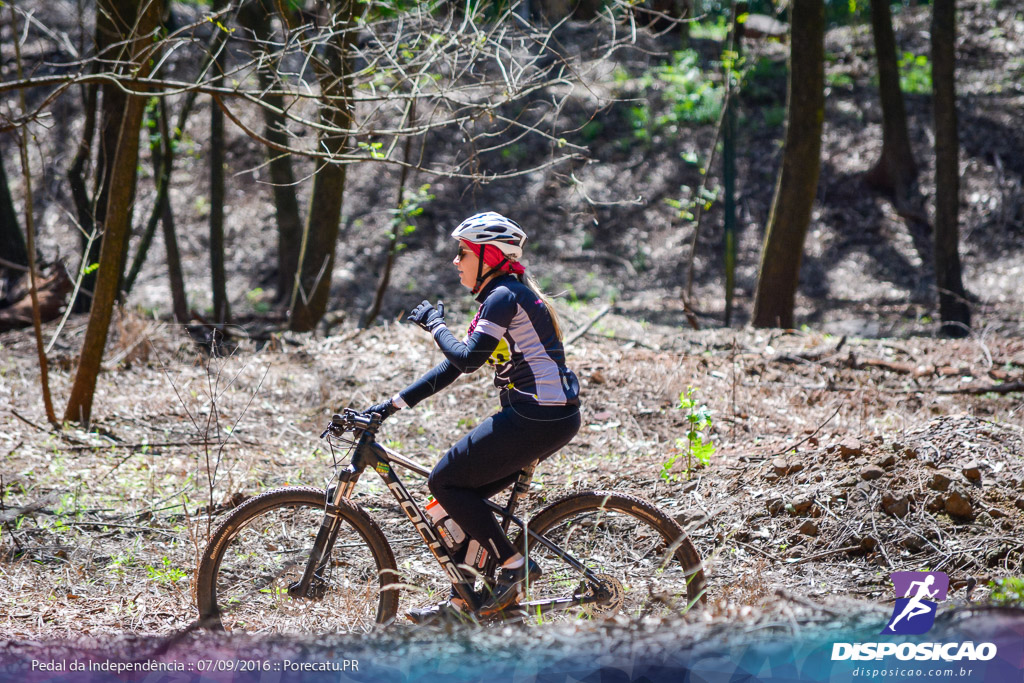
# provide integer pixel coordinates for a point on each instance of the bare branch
(497, 81)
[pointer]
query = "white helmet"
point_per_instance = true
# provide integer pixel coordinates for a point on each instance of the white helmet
(493, 228)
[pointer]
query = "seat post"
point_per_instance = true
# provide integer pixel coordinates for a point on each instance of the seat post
(520, 488)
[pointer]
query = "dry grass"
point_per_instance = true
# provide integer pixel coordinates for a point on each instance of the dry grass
(102, 529)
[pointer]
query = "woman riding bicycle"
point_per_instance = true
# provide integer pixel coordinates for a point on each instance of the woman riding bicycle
(516, 331)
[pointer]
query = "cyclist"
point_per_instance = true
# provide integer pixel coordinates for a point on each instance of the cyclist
(516, 331)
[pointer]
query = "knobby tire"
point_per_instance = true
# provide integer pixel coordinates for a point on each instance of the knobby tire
(263, 546)
(654, 566)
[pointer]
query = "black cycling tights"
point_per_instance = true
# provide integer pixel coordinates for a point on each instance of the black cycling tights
(489, 458)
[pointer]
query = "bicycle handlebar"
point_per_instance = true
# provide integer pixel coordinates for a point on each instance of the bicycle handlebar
(352, 419)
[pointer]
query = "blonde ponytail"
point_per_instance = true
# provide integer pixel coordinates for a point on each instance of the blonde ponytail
(528, 280)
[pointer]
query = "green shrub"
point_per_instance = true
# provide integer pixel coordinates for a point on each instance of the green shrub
(915, 74)
(685, 92)
(1008, 592)
(692, 95)
(838, 79)
(716, 29)
(697, 444)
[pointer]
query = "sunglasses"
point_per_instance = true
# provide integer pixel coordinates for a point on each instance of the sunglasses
(462, 253)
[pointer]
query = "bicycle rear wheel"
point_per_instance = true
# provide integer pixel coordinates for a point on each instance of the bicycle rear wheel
(647, 564)
(263, 547)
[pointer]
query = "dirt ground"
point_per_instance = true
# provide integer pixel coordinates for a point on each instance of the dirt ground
(857, 445)
(838, 460)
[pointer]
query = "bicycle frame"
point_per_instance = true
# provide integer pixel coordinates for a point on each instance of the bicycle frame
(369, 453)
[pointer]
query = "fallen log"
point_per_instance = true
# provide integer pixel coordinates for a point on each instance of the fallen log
(52, 291)
(1004, 388)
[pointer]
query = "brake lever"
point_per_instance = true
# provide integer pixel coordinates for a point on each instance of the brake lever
(339, 424)
(349, 419)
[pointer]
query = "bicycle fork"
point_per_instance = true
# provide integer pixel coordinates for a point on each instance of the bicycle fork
(312, 585)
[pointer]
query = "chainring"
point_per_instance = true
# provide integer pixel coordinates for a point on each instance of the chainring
(609, 594)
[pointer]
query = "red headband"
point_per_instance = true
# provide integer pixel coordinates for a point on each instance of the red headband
(493, 256)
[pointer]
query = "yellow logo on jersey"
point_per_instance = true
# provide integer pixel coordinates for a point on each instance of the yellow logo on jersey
(501, 355)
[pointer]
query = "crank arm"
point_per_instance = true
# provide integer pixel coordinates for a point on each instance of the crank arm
(550, 605)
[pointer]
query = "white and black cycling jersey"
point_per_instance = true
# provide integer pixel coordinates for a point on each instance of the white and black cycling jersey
(514, 333)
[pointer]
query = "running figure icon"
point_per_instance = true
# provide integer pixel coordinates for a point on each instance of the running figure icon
(914, 606)
(918, 595)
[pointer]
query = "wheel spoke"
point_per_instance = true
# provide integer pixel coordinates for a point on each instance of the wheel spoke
(263, 550)
(628, 550)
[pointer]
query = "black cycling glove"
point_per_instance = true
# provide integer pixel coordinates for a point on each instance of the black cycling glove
(428, 317)
(385, 409)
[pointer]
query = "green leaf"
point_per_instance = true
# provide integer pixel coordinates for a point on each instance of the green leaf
(91, 268)
(703, 453)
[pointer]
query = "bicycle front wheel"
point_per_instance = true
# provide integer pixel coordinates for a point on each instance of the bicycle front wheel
(647, 564)
(263, 547)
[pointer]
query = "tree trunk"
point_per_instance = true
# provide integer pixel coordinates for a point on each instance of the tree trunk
(953, 308)
(30, 247)
(162, 156)
(84, 204)
(76, 172)
(256, 17)
(44, 366)
(316, 264)
(221, 309)
(163, 165)
(729, 156)
(114, 24)
(801, 163)
(12, 242)
(179, 302)
(162, 178)
(392, 248)
(116, 212)
(895, 172)
(80, 193)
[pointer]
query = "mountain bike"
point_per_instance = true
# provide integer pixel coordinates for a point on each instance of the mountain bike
(301, 559)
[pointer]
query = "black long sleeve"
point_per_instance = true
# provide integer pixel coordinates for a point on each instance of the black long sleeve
(436, 379)
(467, 357)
